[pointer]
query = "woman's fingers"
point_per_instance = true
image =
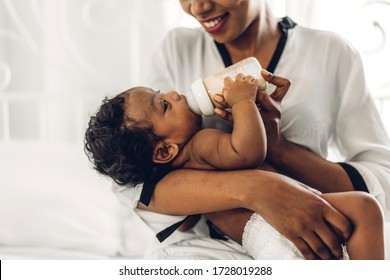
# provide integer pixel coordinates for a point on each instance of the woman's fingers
(282, 84)
(304, 248)
(339, 222)
(224, 114)
(320, 244)
(218, 98)
(266, 102)
(320, 248)
(330, 233)
(307, 220)
(332, 242)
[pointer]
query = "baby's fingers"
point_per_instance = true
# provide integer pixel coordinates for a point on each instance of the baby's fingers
(227, 81)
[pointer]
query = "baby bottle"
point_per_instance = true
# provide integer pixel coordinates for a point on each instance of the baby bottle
(200, 97)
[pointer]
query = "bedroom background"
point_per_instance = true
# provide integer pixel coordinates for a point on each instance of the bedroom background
(58, 60)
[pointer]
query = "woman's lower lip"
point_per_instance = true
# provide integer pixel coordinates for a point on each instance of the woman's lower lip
(216, 28)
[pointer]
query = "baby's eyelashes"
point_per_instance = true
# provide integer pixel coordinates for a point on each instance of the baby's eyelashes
(165, 105)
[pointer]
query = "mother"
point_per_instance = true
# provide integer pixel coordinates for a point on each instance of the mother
(327, 109)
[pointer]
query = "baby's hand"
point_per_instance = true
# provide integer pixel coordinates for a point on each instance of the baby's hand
(242, 88)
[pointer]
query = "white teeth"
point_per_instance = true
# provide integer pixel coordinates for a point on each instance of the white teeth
(212, 23)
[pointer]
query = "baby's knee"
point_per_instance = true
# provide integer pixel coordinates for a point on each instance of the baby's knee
(369, 207)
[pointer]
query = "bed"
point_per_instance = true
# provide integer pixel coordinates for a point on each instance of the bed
(54, 206)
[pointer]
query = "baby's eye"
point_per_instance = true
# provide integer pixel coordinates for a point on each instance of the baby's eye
(165, 105)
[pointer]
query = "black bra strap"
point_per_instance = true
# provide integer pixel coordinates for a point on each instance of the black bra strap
(150, 183)
(227, 60)
(147, 193)
(357, 180)
(214, 232)
(164, 234)
(284, 25)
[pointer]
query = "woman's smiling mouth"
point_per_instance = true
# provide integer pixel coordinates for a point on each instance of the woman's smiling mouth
(214, 25)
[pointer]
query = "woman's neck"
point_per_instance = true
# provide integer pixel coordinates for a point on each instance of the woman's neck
(259, 40)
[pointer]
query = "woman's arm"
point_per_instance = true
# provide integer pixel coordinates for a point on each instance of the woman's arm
(289, 158)
(297, 213)
(305, 166)
(359, 135)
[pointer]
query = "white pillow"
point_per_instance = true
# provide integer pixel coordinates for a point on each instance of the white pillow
(50, 197)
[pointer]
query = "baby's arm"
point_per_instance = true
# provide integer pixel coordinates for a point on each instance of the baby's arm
(246, 146)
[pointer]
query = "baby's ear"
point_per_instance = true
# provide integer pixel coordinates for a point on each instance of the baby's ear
(165, 153)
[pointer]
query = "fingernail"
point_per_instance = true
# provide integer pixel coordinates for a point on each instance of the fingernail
(217, 97)
(265, 72)
(217, 111)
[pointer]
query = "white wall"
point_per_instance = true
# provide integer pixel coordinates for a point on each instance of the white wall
(59, 58)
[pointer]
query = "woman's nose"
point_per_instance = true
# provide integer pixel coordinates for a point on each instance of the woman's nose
(200, 7)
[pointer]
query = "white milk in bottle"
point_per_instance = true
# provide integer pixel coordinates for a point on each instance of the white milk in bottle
(200, 97)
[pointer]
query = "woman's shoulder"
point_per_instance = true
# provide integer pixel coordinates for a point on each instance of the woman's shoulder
(323, 39)
(320, 36)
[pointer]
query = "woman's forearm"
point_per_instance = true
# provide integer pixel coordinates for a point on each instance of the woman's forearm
(309, 168)
(186, 191)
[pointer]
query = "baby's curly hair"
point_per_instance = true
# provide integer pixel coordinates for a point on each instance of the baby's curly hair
(119, 146)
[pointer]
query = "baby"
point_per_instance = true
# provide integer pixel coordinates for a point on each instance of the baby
(140, 135)
(144, 129)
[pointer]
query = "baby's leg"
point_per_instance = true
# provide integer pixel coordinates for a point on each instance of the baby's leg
(367, 239)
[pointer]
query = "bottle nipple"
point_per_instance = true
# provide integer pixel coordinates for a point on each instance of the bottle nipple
(198, 99)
